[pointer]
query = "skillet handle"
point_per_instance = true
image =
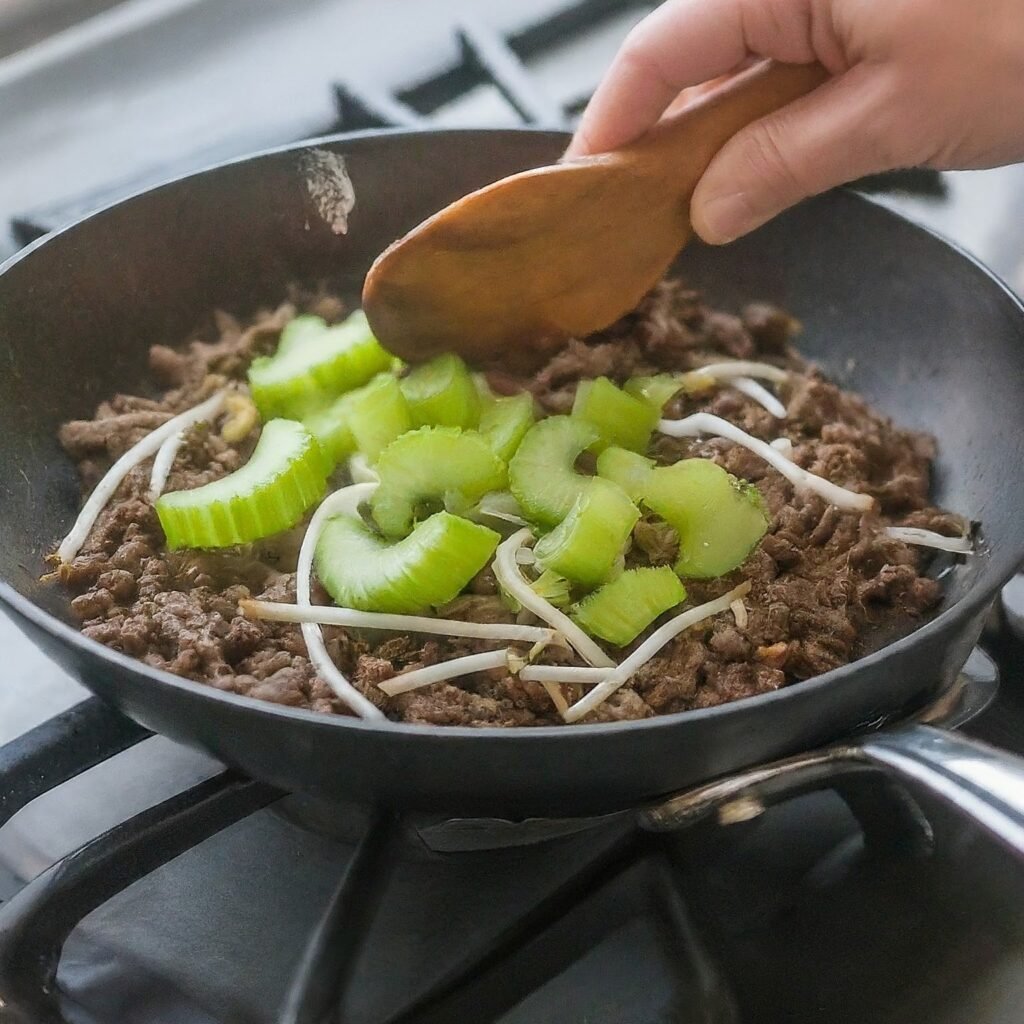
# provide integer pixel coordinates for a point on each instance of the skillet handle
(978, 781)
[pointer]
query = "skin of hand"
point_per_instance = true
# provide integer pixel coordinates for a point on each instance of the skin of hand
(915, 83)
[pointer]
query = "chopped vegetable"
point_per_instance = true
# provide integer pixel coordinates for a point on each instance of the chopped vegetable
(541, 474)
(562, 674)
(137, 454)
(621, 419)
(331, 427)
(931, 539)
(499, 505)
(430, 674)
(625, 468)
(241, 420)
(706, 377)
(360, 470)
(783, 446)
(656, 390)
(377, 414)
(586, 544)
(718, 518)
(313, 364)
(552, 587)
(649, 648)
(285, 476)
(621, 610)
(510, 579)
(505, 421)
(350, 617)
(432, 464)
(704, 423)
(739, 612)
(346, 501)
(760, 394)
(428, 568)
(442, 392)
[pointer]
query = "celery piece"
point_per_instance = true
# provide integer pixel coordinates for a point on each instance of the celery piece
(377, 414)
(553, 588)
(432, 464)
(286, 474)
(621, 610)
(442, 392)
(428, 568)
(541, 474)
(586, 544)
(315, 363)
(719, 519)
(622, 419)
(298, 331)
(330, 426)
(629, 470)
(656, 390)
(505, 421)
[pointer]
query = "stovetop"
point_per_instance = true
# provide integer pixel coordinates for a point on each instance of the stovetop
(791, 916)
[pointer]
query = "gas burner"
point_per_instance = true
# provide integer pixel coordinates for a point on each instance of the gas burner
(530, 901)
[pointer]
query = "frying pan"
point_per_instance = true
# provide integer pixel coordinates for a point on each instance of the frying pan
(925, 332)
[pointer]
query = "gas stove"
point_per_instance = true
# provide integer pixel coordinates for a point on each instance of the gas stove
(189, 894)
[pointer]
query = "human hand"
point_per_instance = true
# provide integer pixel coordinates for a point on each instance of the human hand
(936, 83)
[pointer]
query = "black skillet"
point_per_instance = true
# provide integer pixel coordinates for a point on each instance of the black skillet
(892, 311)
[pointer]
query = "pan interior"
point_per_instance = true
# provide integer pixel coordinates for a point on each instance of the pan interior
(888, 310)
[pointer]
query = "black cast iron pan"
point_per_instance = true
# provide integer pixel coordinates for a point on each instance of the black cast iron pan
(921, 329)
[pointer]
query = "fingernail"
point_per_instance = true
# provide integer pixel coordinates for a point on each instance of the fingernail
(723, 218)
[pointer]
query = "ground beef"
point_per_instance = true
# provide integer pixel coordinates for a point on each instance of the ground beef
(826, 584)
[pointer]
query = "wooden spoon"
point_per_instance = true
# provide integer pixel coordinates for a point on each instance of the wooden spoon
(507, 274)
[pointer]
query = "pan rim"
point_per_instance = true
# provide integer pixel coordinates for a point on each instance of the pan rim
(980, 594)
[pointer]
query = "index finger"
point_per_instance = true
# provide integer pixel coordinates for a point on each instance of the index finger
(682, 43)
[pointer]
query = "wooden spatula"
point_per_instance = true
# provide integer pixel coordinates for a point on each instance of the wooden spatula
(507, 274)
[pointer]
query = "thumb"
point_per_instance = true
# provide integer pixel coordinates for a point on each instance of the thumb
(833, 135)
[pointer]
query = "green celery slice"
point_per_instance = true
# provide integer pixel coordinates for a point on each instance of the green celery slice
(316, 363)
(442, 392)
(285, 476)
(432, 464)
(331, 427)
(553, 588)
(541, 474)
(505, 421)
(377, 414)
(719, 519)
(428, 568)
(656, 390)
(622, 419)
(586, 544)
(625, 468)
(621, 610)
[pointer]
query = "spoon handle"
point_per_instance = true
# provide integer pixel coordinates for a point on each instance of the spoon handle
(680, 148)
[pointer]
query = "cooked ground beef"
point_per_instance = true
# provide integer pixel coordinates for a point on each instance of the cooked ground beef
(826, 583)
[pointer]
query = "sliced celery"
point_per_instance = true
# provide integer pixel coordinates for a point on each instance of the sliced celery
(377, 414)
(505, 421)
(427, 569)
(286, 474)
(331, 428)
(621, 610)
(622, 419)
(585, 545)
(629, 470)
(553, 588)
(443, 393)
(541, 474)
(298, 331)
(719, 519)
(656, 390)
(315, 363)
(432, 464)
